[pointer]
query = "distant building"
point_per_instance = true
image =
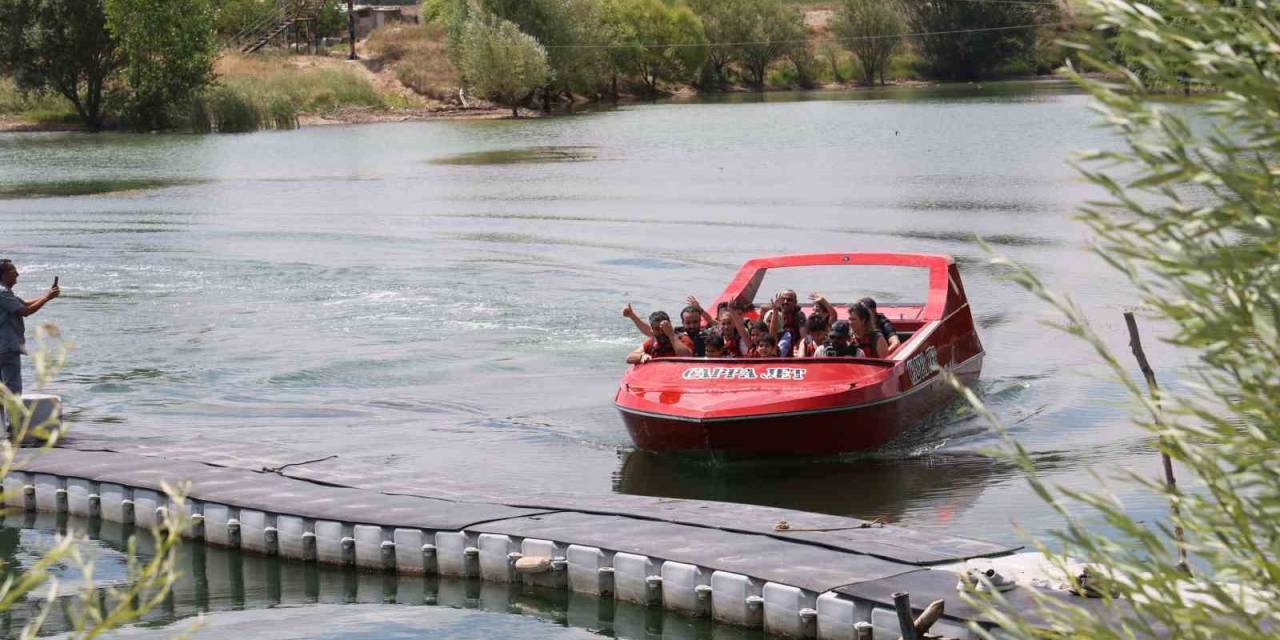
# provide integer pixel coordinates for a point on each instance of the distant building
(375, 16)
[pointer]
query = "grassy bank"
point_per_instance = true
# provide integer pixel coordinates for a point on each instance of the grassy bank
(272, 91)
(45, 109)
(415, 56)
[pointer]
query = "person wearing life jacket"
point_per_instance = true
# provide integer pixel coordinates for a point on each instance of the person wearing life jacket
(866, 334)
(882, 323)
(733, 330)
(816, 330)
(838, 344)
(691, 318)
(823, 306)
(764, 347)
(665, 343)
(786, 320)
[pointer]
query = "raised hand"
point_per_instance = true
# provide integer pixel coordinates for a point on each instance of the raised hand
(628, 312)
(693, 302)
(817, 297)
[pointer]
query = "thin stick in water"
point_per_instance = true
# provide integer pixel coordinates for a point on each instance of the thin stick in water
(1135, 345)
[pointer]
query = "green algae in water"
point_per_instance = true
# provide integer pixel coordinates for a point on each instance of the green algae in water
(69, 188)
(527, 155)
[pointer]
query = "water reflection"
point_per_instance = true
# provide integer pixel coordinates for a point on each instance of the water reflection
(63, 188)
(215, 580)
(521, 156)
(866, 488)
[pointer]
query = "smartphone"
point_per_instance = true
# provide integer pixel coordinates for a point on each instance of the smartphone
(55, 281)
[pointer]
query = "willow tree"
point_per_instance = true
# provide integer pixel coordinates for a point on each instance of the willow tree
(656, 42)
(1190, 216)
(775, 30)
(967, 40)
(500, 61)
(871, 30)
(724, 23)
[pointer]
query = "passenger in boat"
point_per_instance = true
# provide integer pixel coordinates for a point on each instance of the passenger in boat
(691, 327)
(641, 326)
(734, 331)
(715, 345)
(665, 343)
(785, 338)
(785, 320)
(764, 347)
(756, 330)
(866, 334)
(816, 330)
(696, 323)
(821, 305)
(838, 344)
(882, 323)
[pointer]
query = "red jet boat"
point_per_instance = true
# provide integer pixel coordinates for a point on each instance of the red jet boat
(810, 406)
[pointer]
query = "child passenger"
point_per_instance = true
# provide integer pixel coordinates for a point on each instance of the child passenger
(816, 328)
(715, 345)
(765, 347)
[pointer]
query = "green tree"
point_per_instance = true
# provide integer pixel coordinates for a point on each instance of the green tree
(870, 30)
(236, 15)
(501, 61)
(724, 23)
(1191, 217)
(168, 48)
(776, 31)
(656, 42)
(580, 60)
(572, 31)
(60, 45)
(971, 39)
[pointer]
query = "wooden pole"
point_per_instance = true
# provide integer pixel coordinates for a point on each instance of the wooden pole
(1135, 345)
(902, 603)
(351, 27)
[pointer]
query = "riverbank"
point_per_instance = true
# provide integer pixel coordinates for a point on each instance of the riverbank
(423, 111)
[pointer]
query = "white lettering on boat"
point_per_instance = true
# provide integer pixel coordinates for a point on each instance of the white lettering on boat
(744, 373)
(920, 366)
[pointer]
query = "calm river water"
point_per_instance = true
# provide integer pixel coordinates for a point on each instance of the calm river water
(445, 295)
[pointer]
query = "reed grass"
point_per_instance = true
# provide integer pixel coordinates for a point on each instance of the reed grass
(270, 92)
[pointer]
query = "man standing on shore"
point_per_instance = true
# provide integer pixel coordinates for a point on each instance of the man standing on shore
(13, 332)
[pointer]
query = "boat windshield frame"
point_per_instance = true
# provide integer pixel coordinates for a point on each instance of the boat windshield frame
(746, 283)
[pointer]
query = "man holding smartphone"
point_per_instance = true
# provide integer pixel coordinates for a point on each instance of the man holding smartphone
(13, 331)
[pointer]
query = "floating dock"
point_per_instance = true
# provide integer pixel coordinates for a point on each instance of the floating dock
(814, 576)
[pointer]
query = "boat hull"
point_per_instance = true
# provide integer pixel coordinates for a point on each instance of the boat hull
(865, 427)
